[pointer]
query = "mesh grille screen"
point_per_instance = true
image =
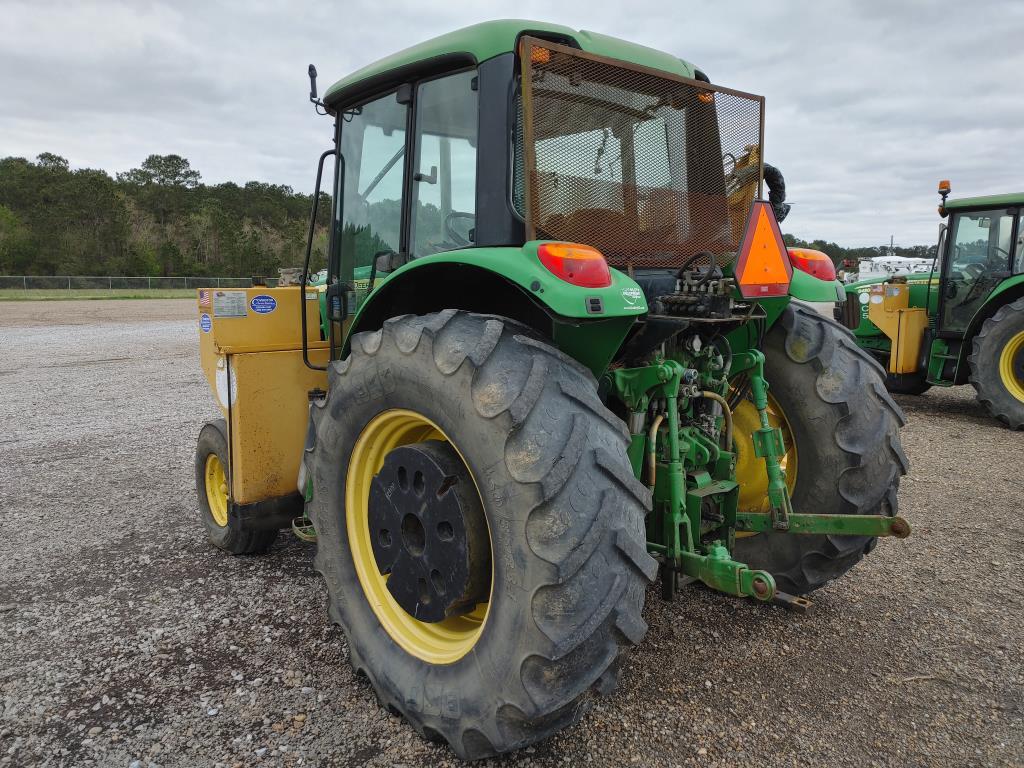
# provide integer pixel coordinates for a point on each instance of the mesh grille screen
(647, 167)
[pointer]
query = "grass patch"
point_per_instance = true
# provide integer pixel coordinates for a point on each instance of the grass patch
(18, 294)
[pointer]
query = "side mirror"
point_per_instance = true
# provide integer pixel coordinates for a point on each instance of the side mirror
(312, 84)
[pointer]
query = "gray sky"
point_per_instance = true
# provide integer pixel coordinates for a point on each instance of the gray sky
(869, 103)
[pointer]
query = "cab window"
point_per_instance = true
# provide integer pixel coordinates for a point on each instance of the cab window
(979, 257)
(1018, 258)
(373, 145)
(443, 205)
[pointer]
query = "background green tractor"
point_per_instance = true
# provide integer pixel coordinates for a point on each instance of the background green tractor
(963, 322)
(557, 353)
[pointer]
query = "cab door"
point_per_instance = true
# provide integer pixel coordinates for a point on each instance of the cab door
(979, 256)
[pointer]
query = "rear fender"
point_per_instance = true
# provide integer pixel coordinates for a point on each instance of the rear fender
(588, 324)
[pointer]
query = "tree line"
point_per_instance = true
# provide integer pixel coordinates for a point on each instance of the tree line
(160, 219)
(850, 257)
(155, 220)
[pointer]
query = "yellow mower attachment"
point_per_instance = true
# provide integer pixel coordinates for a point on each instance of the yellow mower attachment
(889, 309)
(251, 352)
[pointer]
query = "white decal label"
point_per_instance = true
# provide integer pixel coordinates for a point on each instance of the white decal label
(632, 296)
(229, 304)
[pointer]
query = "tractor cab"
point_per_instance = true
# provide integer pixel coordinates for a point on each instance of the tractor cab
(979, 248)
(963, 322)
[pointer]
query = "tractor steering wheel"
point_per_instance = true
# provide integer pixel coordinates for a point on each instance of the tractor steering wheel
(449, 231)
(976, 271)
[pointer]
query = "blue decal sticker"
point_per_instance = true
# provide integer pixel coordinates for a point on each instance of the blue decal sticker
(205, 323)
(263, 304)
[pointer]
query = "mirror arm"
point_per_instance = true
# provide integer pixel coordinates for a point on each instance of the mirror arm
(309, 248)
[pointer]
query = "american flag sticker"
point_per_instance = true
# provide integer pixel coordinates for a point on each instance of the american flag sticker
(204, 298)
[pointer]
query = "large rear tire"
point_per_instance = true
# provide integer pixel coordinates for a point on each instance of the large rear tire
(997, 364)
(564, 518)
(845, 429)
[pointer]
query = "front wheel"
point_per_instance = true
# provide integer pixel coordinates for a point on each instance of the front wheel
(213, 487)
(479, 528)
(843, 454)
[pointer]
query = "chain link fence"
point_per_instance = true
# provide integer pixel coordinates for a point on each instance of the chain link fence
(111, 283)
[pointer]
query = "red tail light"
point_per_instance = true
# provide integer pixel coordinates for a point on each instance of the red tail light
(814, 263)
(576, 264)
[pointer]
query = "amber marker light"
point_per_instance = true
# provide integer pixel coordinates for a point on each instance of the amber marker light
(575, 263)
(540, 55)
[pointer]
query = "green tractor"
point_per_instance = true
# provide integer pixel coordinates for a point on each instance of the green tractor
(962, 322)
(560, 349)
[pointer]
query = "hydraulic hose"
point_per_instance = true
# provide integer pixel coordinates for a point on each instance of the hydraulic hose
(652, 459)
(726, 412)
(776, 191)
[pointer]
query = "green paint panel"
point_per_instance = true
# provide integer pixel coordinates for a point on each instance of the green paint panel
(809, 288)
(920, 296)
(588, 336)
(1017, 281)
(493, 38)
(986, 201)
(623, 298)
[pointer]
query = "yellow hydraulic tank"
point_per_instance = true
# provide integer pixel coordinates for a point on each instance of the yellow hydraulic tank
(888, 308)
(251, 352)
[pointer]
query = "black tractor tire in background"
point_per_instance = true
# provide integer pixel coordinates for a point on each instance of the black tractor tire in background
(986, 349)
(845, 427)
(907, 383)
(910, 383)
(213, 438)
(565, 517)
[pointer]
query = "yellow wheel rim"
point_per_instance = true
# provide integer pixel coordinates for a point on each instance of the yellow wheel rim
(440, 642)
(750, 471)
(1011, 367)
(217, 490)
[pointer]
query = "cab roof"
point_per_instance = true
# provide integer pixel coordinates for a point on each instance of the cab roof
(987, 201)
(479, 42)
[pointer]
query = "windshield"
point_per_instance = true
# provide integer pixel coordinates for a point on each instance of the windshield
(651, 169)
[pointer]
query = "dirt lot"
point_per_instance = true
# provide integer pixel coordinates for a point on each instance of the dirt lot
(125, 640)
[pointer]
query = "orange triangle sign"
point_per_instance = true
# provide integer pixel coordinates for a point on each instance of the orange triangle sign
(763, 269)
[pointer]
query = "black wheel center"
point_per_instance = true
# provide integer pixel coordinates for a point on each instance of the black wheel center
(428, 531)
(413, 536)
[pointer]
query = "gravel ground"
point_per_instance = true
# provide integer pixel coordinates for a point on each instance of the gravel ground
(125, 640)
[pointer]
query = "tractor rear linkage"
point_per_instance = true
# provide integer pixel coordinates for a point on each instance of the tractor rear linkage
(686, 537)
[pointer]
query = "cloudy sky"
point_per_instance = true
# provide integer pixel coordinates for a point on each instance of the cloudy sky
(869, 103)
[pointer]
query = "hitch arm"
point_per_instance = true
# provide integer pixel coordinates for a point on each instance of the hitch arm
(836, 525)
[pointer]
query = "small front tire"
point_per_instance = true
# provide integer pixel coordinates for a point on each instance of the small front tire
(213, 484)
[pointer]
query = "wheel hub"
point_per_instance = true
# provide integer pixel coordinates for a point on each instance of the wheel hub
(428, 532)
(1011, 366)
